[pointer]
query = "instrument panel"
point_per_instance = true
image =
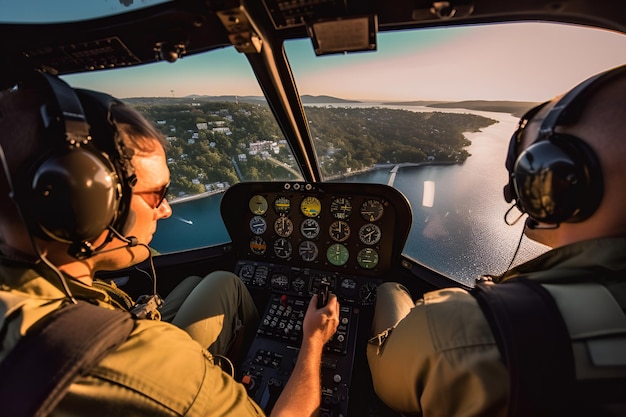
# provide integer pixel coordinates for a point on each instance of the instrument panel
(348, 227)
(292, 239)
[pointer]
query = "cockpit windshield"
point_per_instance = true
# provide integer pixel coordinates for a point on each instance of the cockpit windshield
(43, 11)
(429, 112)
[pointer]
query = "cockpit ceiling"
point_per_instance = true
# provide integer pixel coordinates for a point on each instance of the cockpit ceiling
(169, 30)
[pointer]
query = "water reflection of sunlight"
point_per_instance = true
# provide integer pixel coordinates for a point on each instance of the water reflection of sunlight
(429, 194)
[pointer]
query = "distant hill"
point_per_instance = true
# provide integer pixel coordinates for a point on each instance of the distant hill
(307, 99)
(516, 108)
(413, 103)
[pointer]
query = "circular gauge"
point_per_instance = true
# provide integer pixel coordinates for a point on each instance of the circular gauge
(348, 284)
(369, 234)
(280, 282)
(339, 231)
(337, 254)
(372, 210)
(258, 245)
(258, 226)
(283, 226)
(282, 205)
(310, 228)
(258, 204)
(246, 273)
(367, 258)
(282, 248)
(341, 208)
(298, 284)
(311, 206)
(367, 293)
(308, 251)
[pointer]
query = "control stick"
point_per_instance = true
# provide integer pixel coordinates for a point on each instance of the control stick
(322, 293)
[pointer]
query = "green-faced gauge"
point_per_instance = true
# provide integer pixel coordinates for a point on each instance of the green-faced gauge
(337, 254)
(367, 258)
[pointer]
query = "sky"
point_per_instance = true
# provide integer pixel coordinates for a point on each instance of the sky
(525, 62)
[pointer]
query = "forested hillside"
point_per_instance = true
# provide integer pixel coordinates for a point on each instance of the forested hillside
(216, 144)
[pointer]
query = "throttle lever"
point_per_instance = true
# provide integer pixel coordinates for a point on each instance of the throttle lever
(322, 293)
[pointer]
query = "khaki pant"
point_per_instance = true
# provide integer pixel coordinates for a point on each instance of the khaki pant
(212, 309)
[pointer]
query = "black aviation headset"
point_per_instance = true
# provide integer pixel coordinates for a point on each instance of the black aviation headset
(558, 177)
(84, 185)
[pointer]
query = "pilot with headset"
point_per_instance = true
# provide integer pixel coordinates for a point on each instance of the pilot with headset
(549, 337)
(83, 184)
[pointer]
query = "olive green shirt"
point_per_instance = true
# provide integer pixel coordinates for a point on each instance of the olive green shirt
(442, 359)
(158, 371)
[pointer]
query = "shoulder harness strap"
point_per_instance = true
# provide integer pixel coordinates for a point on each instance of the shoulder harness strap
(537, 350)
(37, 373)
(535, 345)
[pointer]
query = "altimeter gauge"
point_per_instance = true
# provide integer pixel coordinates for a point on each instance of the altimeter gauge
(369, 234)
(372, 210)
(283, 226)
(339, 231)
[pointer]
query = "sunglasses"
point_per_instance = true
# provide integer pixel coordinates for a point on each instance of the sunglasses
(154, 198)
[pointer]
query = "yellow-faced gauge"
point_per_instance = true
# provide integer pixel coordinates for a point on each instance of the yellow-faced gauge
(367, 258)
(337, 254)
(372, 210)
(370, 234)
(258, 204)
(341, 208)
(283, 226)
(282, 205)
(258, 245)
(311, 206)
(339, 231)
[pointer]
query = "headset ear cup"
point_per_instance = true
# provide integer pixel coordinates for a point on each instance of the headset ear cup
(74, 195)
(558, 180)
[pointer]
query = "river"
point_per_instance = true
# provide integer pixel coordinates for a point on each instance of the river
(458, 229)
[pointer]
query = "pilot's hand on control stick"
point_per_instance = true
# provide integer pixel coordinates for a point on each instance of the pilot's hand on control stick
(320, 324)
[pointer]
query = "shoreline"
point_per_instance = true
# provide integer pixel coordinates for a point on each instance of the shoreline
(375, 167)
